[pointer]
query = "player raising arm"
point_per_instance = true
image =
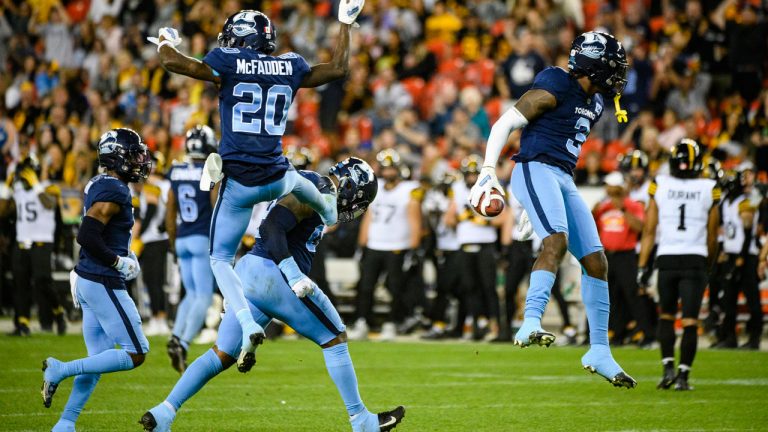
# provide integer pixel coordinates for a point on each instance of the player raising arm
(557, 115)
(284, 252)
(255, 92)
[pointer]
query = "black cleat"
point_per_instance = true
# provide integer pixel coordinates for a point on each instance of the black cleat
(148, 421)
(623, 380)
(248, 358)
(388, 420)
(48, 389)
(541, 338)
(21, 330)
(751, 344)
(178, 354)
(668, 378)
(681, 381)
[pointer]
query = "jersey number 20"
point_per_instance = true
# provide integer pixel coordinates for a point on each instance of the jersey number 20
(253, 126)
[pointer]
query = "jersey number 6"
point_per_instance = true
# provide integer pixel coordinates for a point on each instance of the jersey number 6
(240, 124)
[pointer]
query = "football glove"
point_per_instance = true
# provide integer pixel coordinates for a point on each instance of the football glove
(128, 266)
(303, 287)
(349, 10)
(73, 289)
(486, 182)
(166, 36)
(643, 276)
(212, 172)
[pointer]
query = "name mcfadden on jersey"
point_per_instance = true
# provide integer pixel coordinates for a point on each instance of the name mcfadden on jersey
(268, 67)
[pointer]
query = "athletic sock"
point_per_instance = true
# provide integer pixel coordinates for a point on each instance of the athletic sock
(82, 388)
(112, 360)
(342, 372)
(232, 289)
(594, 293)
(182, 312)
(538, 294)
(194, 378)
(196, 316)
(666, 336)
(688, 345)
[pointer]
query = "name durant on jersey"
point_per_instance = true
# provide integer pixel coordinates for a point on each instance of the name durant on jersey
(683, 195)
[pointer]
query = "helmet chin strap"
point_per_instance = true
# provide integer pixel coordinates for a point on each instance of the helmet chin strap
(621, 114)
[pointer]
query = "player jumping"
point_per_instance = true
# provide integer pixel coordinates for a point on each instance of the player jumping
(289, 233)
(98, 281)
(557, 115)
(255, 92)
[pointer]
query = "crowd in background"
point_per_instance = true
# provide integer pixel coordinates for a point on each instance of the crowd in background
(427, 78)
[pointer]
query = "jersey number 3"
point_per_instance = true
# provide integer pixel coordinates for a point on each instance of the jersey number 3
(574, 145)
(253, 126)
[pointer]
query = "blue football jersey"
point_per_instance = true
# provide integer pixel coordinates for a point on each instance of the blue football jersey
(117, 233)
(254, 97)
(302, 239)
(194, 205)
(555, 138)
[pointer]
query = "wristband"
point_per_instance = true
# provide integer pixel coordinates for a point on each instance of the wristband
(291, 270)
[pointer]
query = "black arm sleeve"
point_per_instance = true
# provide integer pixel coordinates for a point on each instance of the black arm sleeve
(747, 241)
(90, 238)
(274, 232)
(151, 210)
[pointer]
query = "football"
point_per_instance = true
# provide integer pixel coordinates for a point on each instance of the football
(494, 207)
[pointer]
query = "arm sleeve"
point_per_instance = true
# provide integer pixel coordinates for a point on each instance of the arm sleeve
(90, 238)
(274, 229)
(509, 121)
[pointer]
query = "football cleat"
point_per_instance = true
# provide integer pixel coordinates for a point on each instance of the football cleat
(21, 330)
(388, 420)
(681, 381)
(668, 379)
(158, 419)
(178, 354)
(247, 358)
(48, 388)
(600, 361)
(541, 338)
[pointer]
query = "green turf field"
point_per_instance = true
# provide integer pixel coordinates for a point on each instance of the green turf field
(444, 386)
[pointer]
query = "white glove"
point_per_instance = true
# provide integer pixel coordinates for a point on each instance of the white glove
(304, 287)
(73, 289)
(170, 36)
(349, 10)
(128, 266)
(524, 227)
(486, 182)
(212, 172)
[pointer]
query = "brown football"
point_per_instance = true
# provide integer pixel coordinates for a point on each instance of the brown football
(494, 208)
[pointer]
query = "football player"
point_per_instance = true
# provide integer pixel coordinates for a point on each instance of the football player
(98, 281)
(556, 115)
(289, 233)
(255, 92)
(187, 221)
(684, 208)
(34, 202)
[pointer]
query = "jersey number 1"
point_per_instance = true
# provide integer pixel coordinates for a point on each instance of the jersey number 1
(239, 124)
(681, 227)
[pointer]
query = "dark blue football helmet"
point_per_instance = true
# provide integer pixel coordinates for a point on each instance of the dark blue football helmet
(249, 29)
(601, 58)
(200, 142)
(357, 187)
(122, 150)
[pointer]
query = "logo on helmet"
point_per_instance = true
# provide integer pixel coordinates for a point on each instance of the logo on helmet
(244, 25)
(361, 174)
(593, 45)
